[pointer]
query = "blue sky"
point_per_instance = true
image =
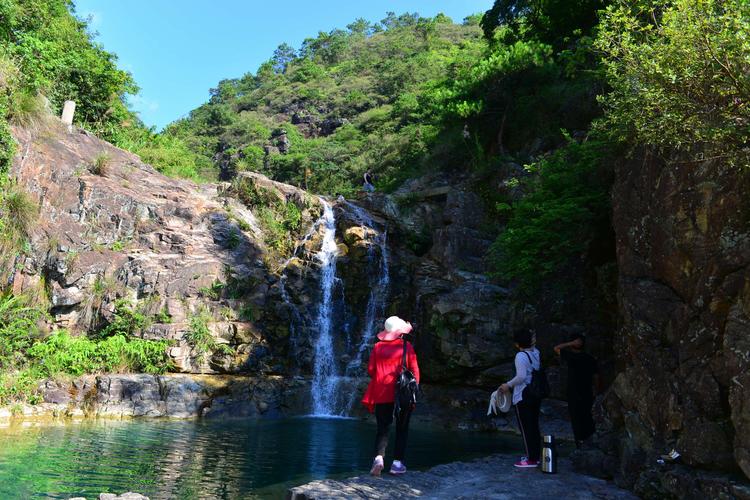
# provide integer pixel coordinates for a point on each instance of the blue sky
(178, 49)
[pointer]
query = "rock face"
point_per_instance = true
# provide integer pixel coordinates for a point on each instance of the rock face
(177, 252)
(440, 232)
(174, 250)
(683, 250)
(463, 321)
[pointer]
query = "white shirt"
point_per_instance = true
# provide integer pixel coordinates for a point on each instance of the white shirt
(523, 371)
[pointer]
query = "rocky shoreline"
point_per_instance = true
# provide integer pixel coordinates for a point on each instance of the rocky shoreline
(163, 396)
(492, 477)
(190, 396)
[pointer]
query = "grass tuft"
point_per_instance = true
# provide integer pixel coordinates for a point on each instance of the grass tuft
(28, 109)
(101, 165)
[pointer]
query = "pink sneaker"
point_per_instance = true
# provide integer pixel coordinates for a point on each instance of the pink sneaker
(526, 463)
(377, 466)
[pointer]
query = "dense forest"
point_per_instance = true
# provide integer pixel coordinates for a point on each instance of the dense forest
(560, 89)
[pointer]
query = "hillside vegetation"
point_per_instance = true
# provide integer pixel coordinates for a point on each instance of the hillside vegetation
(345, 101)
(411, 95)
(562, 88)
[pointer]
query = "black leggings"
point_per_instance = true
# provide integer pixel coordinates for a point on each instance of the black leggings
(527, 411)
(384, 416)
(580, 417)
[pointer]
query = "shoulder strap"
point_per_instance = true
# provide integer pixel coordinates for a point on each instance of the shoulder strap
(531, 361)
(403, 360)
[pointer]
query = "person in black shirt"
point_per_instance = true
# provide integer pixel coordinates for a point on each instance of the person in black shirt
(583, 377)
(369, 186)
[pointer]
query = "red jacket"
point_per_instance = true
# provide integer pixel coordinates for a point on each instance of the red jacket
(384, 367)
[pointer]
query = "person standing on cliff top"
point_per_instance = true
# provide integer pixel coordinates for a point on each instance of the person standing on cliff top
(384, 367)
(527, 360)
(583, 376)
(368, 186)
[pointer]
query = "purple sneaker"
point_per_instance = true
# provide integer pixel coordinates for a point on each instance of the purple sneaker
(398, 468)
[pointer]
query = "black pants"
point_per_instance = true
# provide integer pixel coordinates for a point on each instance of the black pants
(580, 416)
(527, 411)
(384, 416)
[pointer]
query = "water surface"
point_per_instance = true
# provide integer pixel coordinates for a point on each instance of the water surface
(209, 459)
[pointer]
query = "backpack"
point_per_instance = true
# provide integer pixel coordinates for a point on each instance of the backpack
(407, 387)
(538, 388)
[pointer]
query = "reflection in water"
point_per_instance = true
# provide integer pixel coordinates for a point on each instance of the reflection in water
(207, 459)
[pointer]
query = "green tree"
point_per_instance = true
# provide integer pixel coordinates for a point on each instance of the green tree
(549, 21)
(680, 76)
(565, 209)
(58, 58)
(282, 57)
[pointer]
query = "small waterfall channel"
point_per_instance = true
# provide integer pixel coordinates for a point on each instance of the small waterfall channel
(376, 302)
(332, 340)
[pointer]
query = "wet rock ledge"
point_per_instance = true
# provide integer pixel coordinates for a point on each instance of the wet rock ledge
(493, 477)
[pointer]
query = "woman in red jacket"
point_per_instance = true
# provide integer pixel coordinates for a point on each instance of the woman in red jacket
(384, 367)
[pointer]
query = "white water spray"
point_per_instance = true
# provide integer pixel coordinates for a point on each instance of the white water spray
(376, 302)
(325, 373)
(328, 381)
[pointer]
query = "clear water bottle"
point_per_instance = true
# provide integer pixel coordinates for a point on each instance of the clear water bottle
(549, 455)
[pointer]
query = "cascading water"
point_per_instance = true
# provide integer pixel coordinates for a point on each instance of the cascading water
(329, 376)
(376, 301)
(325, 373)
(378, 290)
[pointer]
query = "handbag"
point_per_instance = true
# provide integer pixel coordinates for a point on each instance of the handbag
(407, 387)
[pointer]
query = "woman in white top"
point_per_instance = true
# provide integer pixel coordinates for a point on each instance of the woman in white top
(527, 407)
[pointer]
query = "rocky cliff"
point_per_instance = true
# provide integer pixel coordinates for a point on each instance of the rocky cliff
(683, 252)
(440, 232)
(112, 228)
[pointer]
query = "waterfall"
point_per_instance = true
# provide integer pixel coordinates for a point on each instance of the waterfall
(329, 376)
(325, 373)
(376, 302)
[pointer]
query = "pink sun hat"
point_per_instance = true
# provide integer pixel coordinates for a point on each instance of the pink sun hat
(395, 327)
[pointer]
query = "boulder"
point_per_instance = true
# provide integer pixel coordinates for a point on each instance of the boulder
(65, 296)
(329, 125)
